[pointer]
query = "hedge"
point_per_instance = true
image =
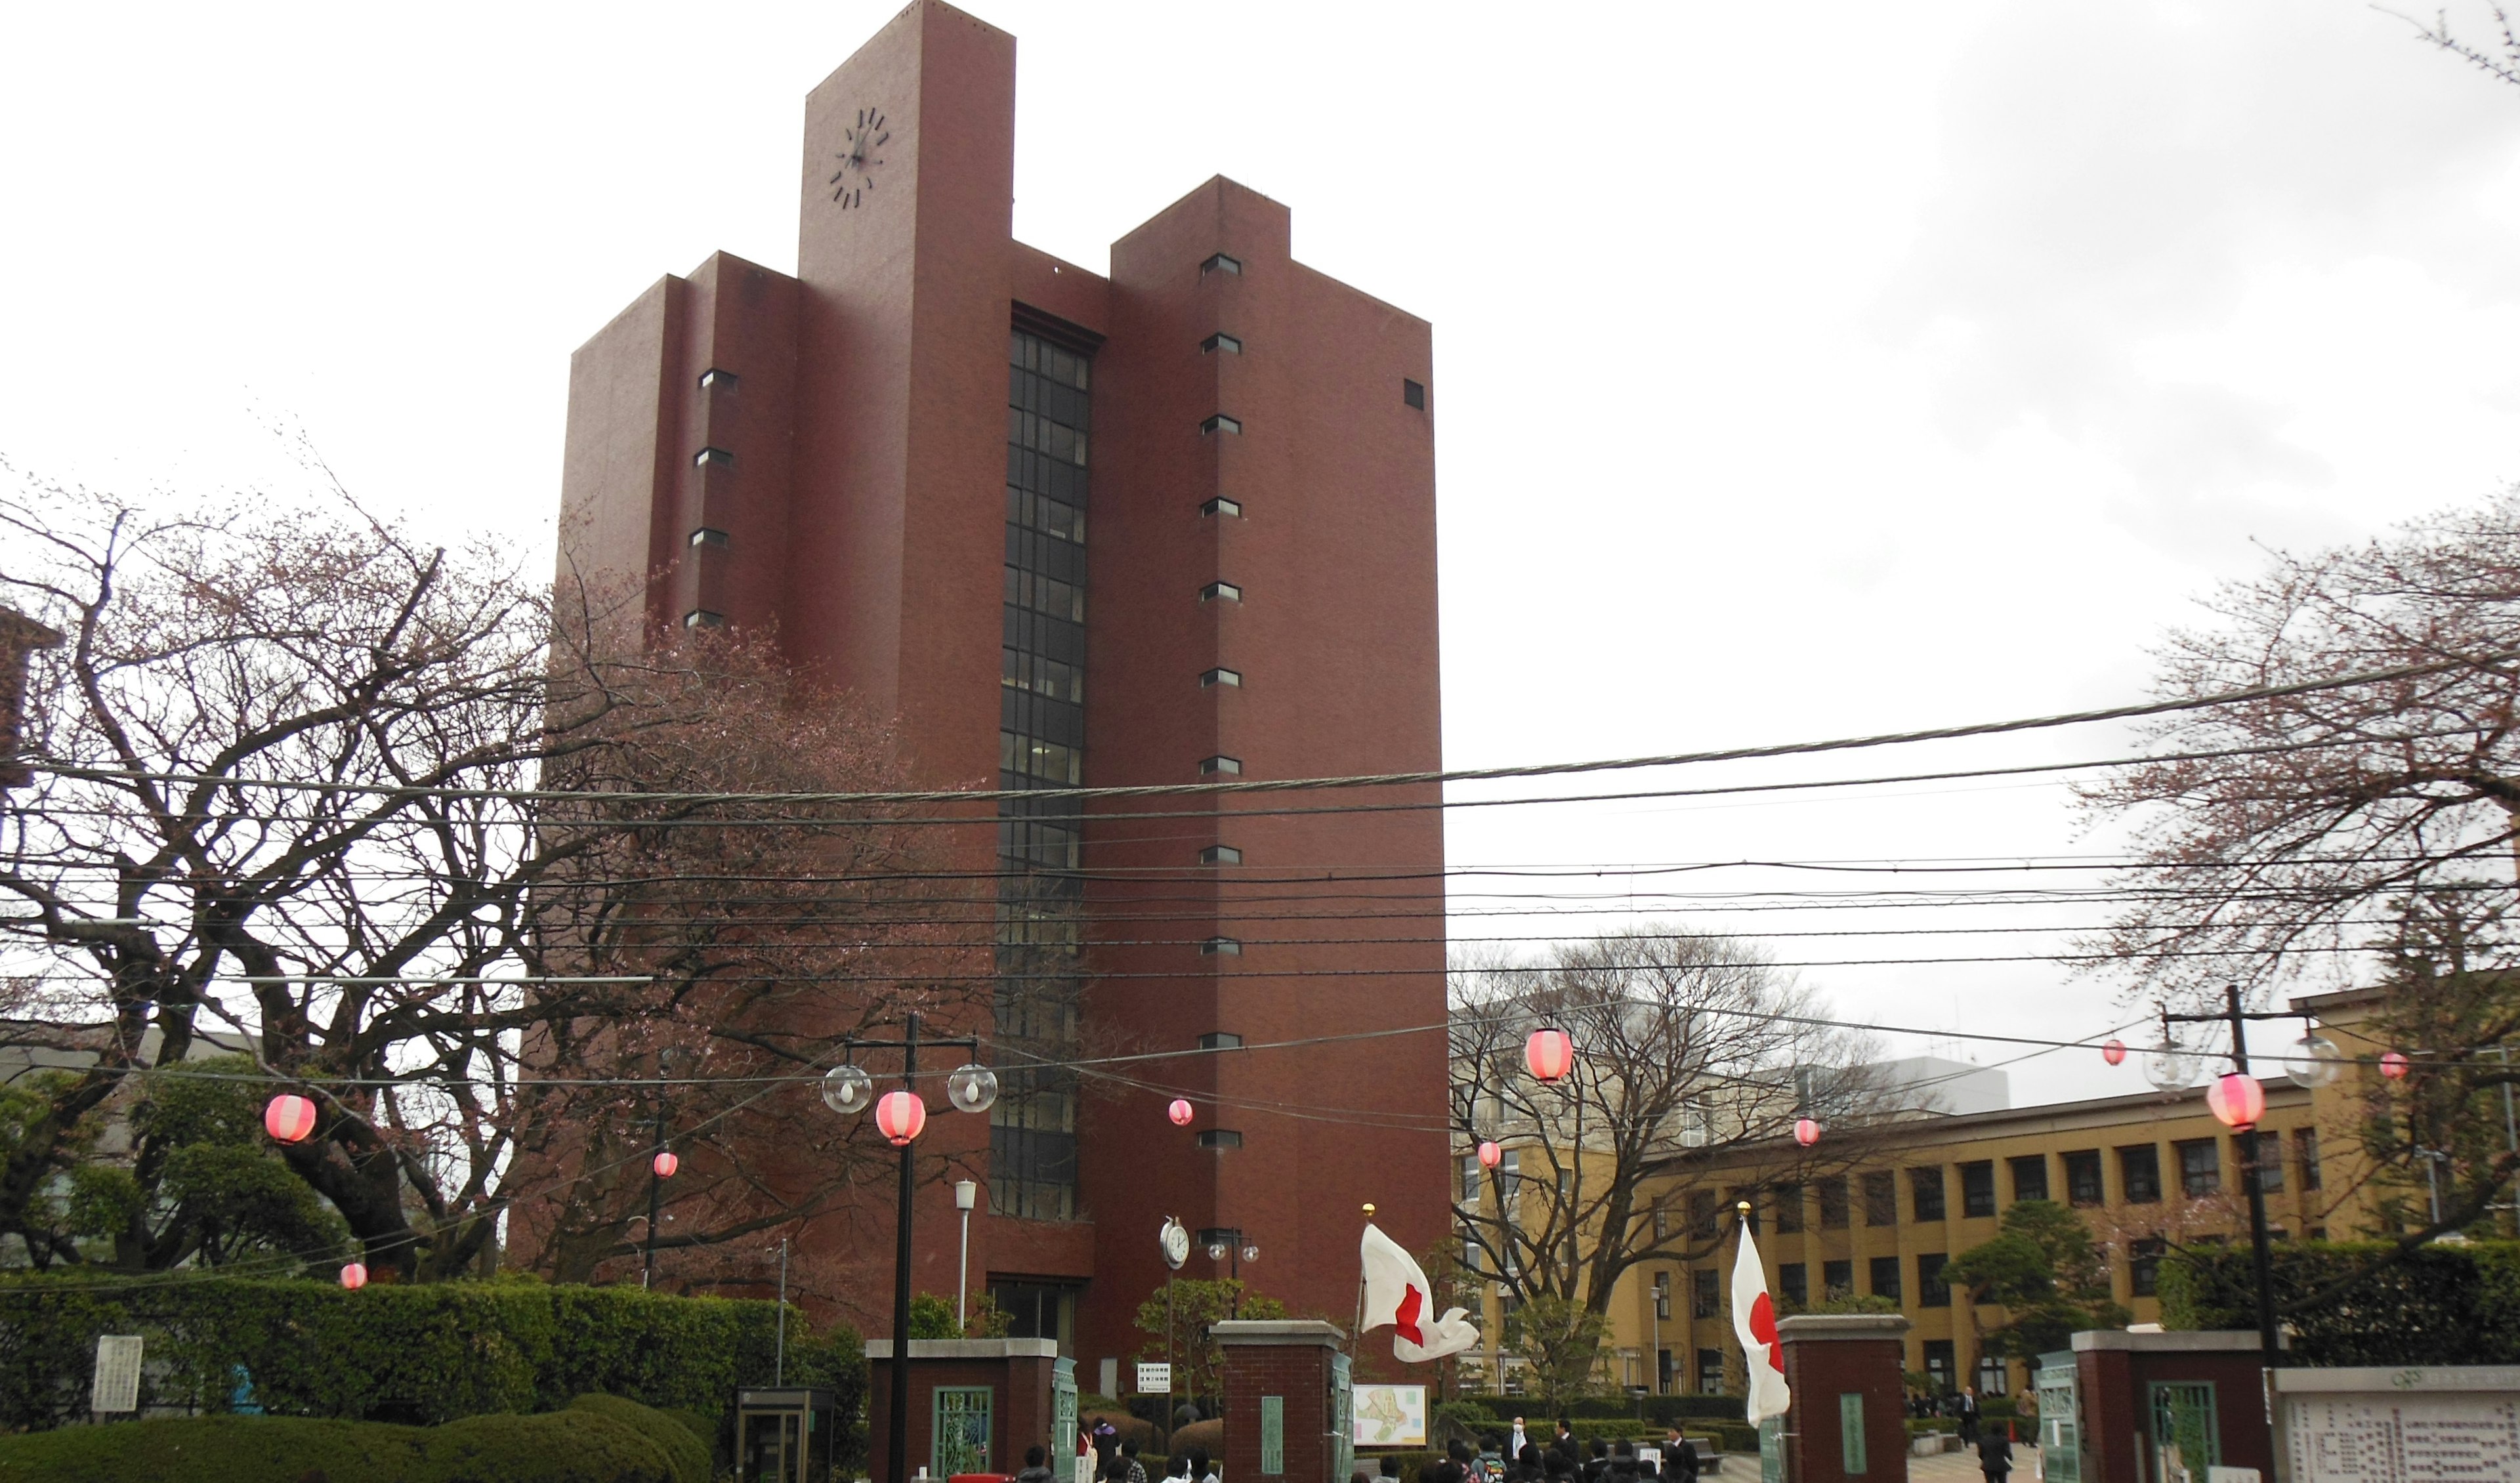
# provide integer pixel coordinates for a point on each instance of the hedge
(598, 1440)
(2437, 1305)
(1660, 1410)
(418, 1355)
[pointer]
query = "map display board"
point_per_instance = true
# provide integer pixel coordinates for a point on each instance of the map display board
(1395, 1415)
(2439, 1424)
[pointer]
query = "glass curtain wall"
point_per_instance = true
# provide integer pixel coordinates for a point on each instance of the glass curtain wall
(1041, 738)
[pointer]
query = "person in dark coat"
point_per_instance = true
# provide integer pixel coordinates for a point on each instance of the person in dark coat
(1967, 1411)
(1594, 1471)
(1994, 1452)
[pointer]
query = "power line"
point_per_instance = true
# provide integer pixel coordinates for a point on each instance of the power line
(1347, 781)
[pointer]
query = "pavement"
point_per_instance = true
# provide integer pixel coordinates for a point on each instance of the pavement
(1962, 1467)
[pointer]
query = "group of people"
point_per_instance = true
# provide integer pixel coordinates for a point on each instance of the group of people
(1117, 1461)
(1993, 1444)
(1519, 1459)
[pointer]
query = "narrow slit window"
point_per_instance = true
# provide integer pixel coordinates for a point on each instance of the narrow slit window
(1215, 676)
(714, 380)
(1220, 1040)
(1222, 505)
(1220, 592)
(1231, 767)
(1219, 1138)
(701, 617)
(1220, 263)
(1220, 854)
(1413, 393)
(1220, 947)
(713, 457)
(1221, 343)
(1220, 422)
(706, 536)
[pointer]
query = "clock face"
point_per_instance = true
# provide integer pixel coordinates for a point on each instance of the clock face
(855, 175)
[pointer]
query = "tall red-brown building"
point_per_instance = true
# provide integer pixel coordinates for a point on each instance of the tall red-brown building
(1172, 526)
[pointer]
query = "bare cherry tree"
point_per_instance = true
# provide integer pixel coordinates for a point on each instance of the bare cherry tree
(1690, 1054)
(2351, 837)
(2279, 856)
(295, 777)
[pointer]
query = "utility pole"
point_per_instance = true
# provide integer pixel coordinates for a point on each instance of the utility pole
(655, 1184)
(2262, 1255)
(2260, 1250)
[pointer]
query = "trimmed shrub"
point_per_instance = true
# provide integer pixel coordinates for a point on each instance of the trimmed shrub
(618, 1442)
(415, 1355)
(680, 1445)
(1497, 1412)
(2437, 1305)
(1130, 1428)
(1210, 1434)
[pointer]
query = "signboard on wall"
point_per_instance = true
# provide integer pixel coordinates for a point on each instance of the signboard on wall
(2427, 1424)
(1391, 1416)
(116, 1387)
(1154, 1379)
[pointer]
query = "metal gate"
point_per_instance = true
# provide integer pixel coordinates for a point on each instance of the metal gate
(1062, 1412)
(2186, 1442)
(1343, 1400)
(959, 1435)
(2060, 1419)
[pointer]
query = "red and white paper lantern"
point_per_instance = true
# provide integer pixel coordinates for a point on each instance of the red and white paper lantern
(900, 1117)
(288, 1118)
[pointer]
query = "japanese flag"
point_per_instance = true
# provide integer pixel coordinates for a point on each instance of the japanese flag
(1754, 1323)
(1397, 1293)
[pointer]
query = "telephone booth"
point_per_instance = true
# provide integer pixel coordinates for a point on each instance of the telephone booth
(784, 1435)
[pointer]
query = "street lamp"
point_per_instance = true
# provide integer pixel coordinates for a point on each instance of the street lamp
(2238, 1101)
(901, 1117)
(1549, 1054)
(967, 1193)
(1242, 1251)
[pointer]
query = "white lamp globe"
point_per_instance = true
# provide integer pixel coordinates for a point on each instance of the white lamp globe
(2315, 1060)
(2171, 1068)
(972, 1088)
(846, 1088)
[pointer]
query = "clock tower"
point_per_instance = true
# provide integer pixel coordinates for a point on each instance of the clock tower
(1167, 524)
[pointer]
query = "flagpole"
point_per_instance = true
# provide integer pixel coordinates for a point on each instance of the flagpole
(1357, 1330)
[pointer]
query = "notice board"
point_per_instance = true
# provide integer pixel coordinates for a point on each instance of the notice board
(2450, 1424)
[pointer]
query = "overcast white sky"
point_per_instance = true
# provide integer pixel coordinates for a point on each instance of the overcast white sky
(1800, 372)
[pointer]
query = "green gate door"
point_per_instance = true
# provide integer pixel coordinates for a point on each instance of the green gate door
(1062, 1412)
(958, 1433)
(2185, 1439)
(1342, 1408)
(2060, 1418)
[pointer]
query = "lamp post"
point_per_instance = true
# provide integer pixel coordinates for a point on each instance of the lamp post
(967, 1193)
(901, 1117)
(1242, 1251)
(1549, 1053)
(659, 1165)
(2237, 1100)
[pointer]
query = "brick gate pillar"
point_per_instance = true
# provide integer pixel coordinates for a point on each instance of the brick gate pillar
(1281, 1380)
(1849, 1416)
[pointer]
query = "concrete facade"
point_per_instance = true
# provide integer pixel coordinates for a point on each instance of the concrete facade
(835, 452)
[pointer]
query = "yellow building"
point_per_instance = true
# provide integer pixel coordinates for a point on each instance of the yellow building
(2143, 1171)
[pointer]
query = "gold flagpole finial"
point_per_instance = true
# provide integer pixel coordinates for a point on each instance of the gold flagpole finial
(1743, 1207)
